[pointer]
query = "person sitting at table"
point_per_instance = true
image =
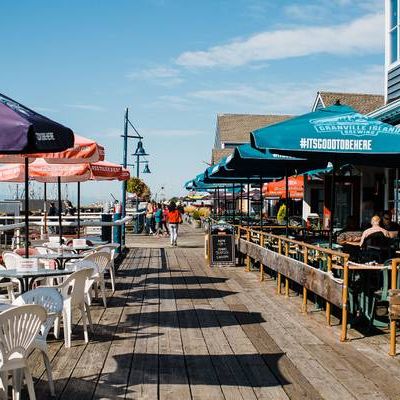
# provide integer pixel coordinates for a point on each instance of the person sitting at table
(375, 228)
(389, 225)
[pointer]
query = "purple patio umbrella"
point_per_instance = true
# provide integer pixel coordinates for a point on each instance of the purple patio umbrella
(24, 131)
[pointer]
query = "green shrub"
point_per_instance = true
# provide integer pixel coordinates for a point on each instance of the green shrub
(196, 215)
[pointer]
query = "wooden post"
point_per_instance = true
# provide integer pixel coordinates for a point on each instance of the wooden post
(286, 279)
(328, 305)
(278, 277)
(345, 292)
(305, 260)
(392, 351)
(247, 269)
(262, 242)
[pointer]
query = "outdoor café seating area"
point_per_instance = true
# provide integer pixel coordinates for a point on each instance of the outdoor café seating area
(45, 280)
(345, 263)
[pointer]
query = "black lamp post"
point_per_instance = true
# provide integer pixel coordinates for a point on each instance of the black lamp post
(140, 152)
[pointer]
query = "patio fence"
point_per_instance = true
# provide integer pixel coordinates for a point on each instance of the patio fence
(310, 266)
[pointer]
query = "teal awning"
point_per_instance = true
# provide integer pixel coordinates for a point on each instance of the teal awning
(337, 133)
(248, 165)
(246, 159)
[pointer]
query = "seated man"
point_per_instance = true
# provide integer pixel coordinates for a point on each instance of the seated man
(375, 228)
(389, 225)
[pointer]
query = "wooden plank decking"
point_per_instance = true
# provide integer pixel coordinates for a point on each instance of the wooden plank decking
(176, 329)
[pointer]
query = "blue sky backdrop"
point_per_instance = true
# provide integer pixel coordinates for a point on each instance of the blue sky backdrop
(178, 63)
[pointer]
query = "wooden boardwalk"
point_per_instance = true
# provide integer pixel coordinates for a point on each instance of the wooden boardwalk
(176, 329)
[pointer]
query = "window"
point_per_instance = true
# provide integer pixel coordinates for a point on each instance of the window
(393, 13)
(393, 46)
(394, 31)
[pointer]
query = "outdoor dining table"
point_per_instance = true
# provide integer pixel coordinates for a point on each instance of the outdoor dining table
(60, 259)
(27, 278)
(80, 249)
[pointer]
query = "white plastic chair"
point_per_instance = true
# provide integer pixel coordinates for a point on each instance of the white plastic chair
(9, 286)
(110, 248)
(19, 327)
(12, 260)
(51, 300)
(73, 293)
(99, 261)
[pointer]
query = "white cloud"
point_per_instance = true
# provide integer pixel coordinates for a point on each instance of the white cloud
(86, 107)
(161, 75)
(361, 36)
(291, 98)
(325, 8)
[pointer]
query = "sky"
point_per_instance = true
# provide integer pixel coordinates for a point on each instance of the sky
(176, 64)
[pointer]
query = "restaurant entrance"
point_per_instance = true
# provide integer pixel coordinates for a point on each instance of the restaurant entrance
(347, 193)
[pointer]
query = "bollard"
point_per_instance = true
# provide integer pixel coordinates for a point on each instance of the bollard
(117, 232)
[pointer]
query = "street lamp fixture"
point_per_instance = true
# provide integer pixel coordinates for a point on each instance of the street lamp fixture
(146, 169)
(140, 151)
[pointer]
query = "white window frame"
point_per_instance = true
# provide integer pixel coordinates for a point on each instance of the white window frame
(390, 30)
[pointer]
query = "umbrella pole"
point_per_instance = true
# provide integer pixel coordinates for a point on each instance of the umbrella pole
(27, 207)
(261, 205)
(45, 207)
(241, 204)
(217, 202)
(233, 202)
(287, 202)
(213, 203)
(333, 201)
(248, 203)
(396, 196)
(59, 208)
(225, 208)
(79, 209)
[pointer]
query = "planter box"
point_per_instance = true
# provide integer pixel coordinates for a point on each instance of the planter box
(196, 223)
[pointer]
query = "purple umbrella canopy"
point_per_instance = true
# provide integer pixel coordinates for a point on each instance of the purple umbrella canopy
(23, 130)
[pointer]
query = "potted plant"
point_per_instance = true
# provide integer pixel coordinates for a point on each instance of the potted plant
(196, 219)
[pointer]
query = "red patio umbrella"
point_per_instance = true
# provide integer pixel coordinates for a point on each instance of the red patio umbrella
(43, 171)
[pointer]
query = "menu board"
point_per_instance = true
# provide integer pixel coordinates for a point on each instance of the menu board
(222, 249)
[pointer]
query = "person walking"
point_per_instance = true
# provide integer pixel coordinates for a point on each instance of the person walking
(149, 218)
(165, 220)
(174, 219)
(158, 217)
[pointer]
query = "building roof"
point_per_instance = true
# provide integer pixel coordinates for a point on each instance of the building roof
(236, 128)
(363, 103)
(218, 154)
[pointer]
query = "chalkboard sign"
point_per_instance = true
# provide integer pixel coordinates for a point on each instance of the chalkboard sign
(222, 249)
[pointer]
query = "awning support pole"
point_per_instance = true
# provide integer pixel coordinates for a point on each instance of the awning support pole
(396, 196)
(241, 204)
(79, 210)
(287, 202)
(26, 207)
(233, 202)
(333, 201)
(248, 203)
(59, 208)
(261, 204)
